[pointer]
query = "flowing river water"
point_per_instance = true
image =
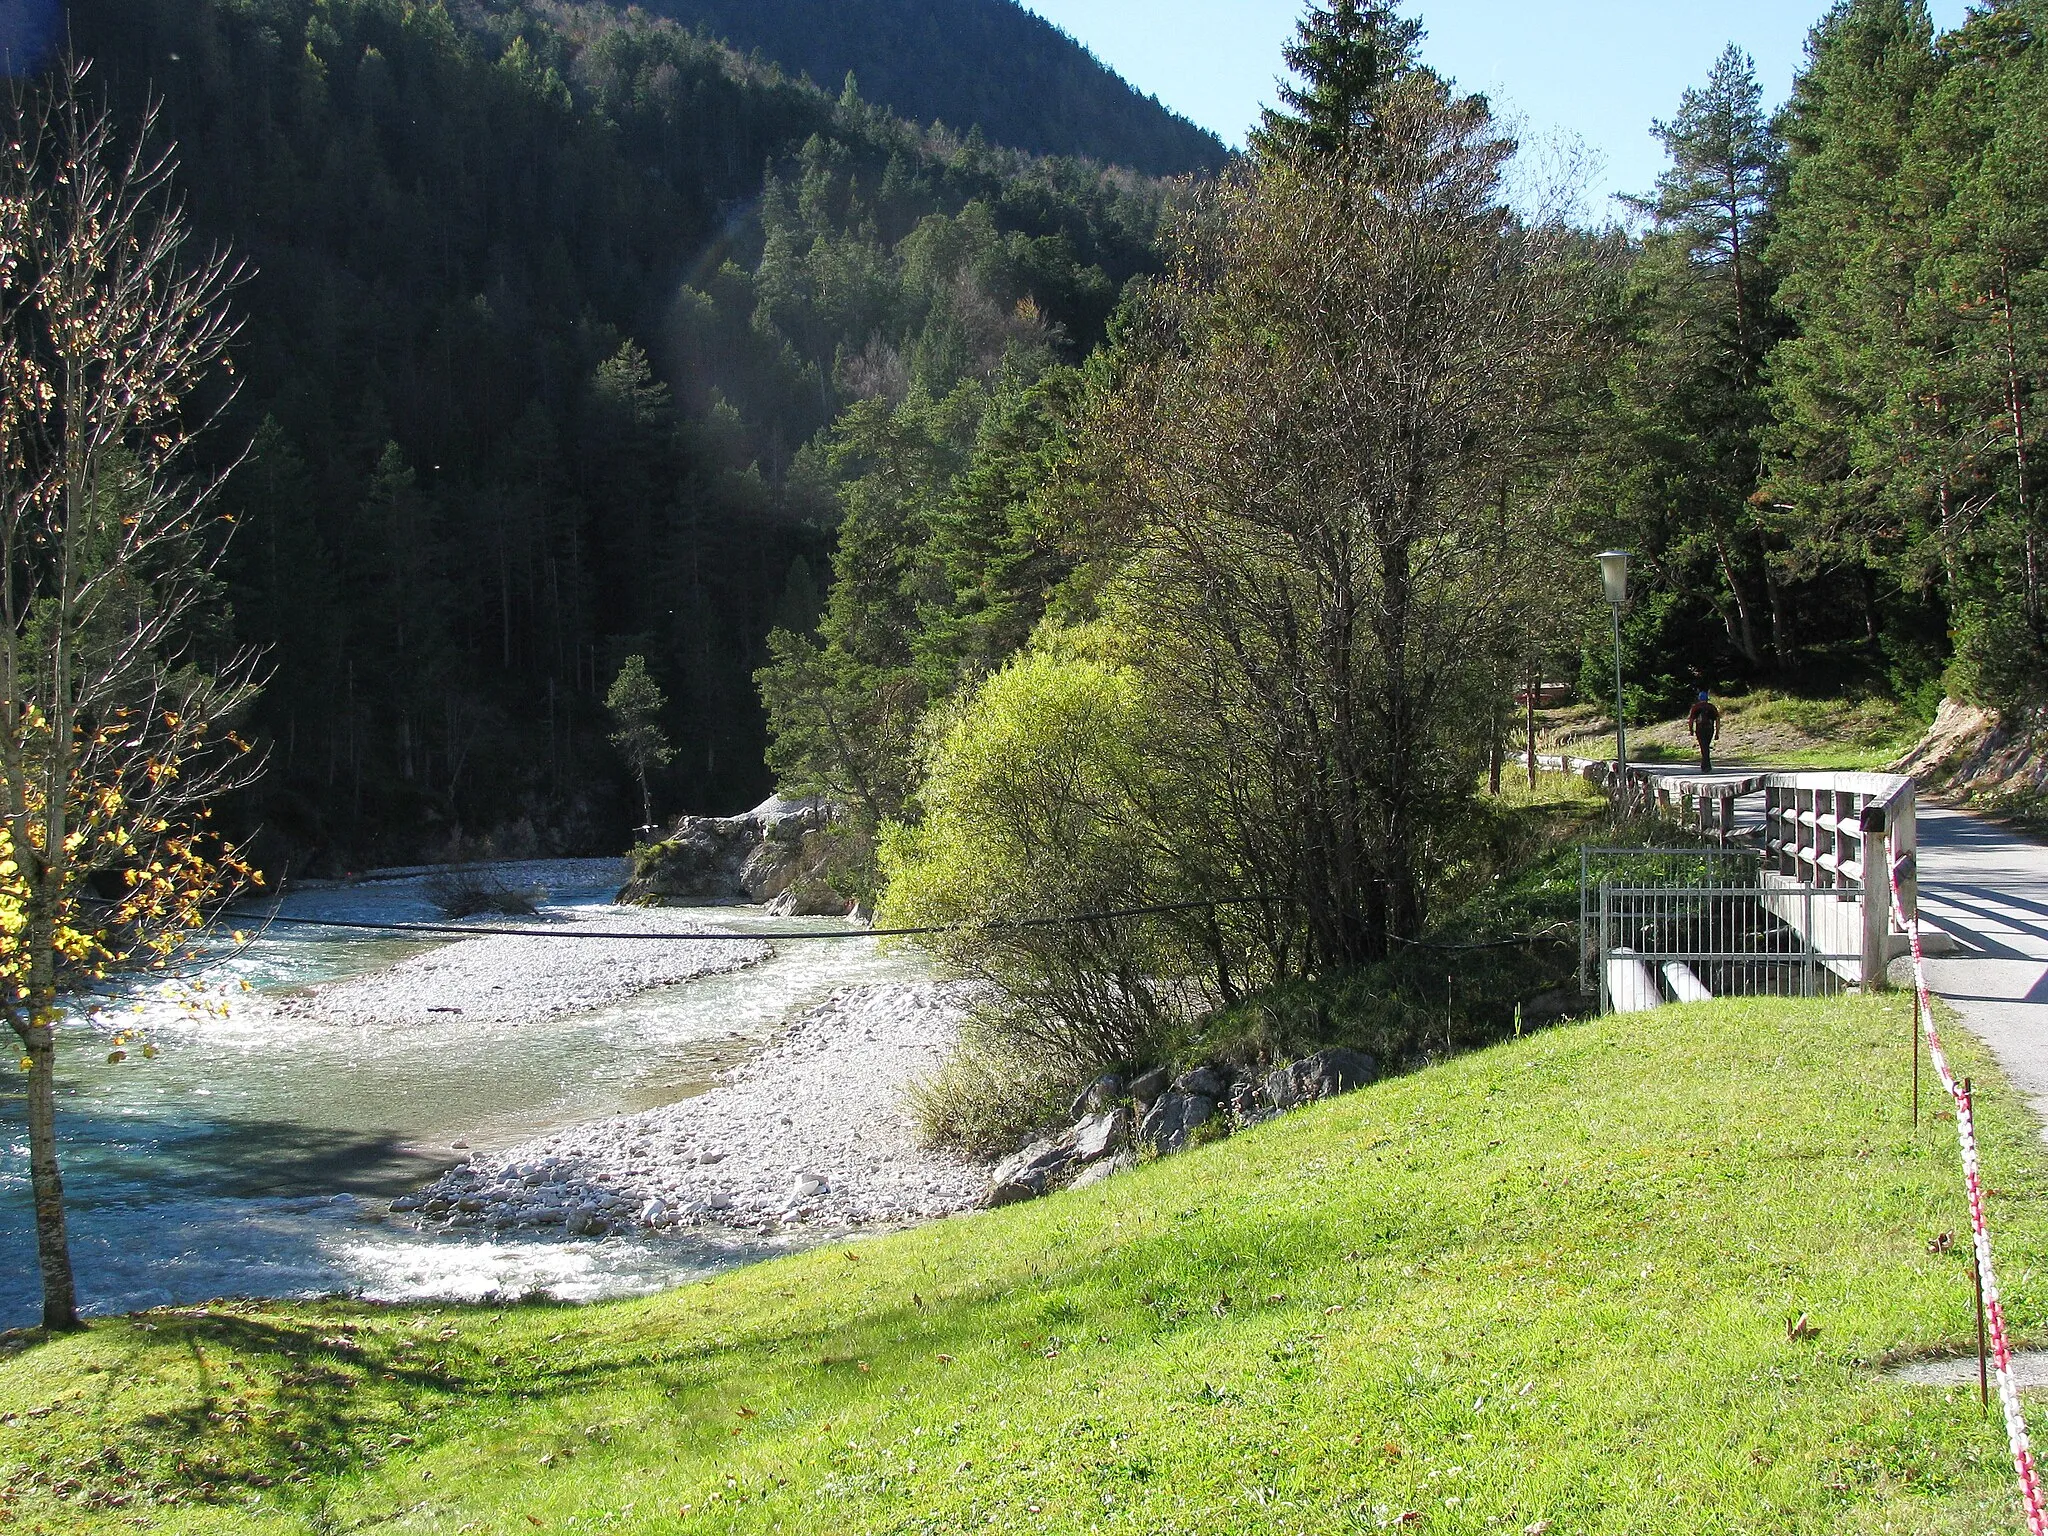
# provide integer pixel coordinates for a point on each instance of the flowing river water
(259, 1158)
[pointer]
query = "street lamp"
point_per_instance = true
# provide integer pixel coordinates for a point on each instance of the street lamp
(1614, 576)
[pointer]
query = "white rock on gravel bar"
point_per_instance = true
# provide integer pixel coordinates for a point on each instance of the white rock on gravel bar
(515, 980)
(810, 1131)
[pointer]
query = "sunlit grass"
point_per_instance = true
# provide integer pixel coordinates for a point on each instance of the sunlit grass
(1765, 728)
(1549, 1281)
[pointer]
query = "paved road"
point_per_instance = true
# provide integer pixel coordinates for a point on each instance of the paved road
(1989, 888)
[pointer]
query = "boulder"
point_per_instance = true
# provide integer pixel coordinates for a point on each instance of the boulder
(1095, 1173)
(763, 856)
(1100, 1135)
(1097, 1096)
(1147, 1086)
(1336, 1070)
(808, 898)
(1031, 1172)
(1167, 1124)
(1202, 1082)
(1248, 1104)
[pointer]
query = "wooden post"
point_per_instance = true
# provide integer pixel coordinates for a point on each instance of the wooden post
(1877, 900)
(1977, 1273)
(1535, 686)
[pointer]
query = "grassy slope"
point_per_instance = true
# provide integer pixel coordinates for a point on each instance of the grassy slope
(1546, 1281)
(1762, 729)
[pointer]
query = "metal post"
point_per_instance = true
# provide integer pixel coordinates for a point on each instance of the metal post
(1808, 981)
(1620, 725)
(1585, 935)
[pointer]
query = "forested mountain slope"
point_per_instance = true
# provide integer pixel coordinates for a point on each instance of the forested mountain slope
(966, 63)
(531, 356)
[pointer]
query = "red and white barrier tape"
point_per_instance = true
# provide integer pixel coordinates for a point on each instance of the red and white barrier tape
(1994, 1308)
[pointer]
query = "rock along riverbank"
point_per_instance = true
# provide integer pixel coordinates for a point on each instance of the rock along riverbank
(812, 1131)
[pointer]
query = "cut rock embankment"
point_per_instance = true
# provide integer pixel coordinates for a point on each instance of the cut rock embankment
(811, 1131)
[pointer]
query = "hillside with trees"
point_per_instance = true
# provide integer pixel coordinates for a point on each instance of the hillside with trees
(532, 356)
(1219, 632)
(986, 64)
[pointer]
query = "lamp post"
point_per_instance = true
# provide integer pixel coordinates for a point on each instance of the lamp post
(1614, 576)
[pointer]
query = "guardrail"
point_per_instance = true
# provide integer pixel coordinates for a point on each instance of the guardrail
(1823, 834)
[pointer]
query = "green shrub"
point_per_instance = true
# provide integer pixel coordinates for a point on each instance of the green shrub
(990, 1097)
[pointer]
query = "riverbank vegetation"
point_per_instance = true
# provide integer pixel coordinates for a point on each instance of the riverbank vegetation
(1226, 625)
(1634, 1275)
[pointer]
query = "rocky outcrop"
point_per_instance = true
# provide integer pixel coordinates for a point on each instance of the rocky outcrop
(776, 854)
(1983, 755)
(1162, 1115)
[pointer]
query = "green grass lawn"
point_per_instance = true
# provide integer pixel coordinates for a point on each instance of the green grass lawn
(1546, 1282)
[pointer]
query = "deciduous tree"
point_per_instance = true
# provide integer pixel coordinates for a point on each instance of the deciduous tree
(116, 697)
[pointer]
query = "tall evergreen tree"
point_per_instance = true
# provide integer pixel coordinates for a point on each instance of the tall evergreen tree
(1718, 192)
(1690, 385)
(1344, 55)
(1844, 251)
(635, 702)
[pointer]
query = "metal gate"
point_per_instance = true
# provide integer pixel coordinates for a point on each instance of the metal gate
(1663, 925)
(1658, 944)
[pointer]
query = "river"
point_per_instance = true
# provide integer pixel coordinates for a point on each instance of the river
(258, 1158)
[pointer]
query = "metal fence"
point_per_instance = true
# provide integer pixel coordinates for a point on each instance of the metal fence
(1671, 943)
(1654, 869)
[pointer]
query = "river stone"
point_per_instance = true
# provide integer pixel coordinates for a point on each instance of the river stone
(1097, 1096)
(1094, 1173)
(1030, 1173)
(1148, 1086)
(807, 1185)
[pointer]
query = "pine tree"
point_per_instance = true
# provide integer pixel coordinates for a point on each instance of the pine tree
(1706, 323)
(635, 703)
(1844, 248)
(1718, 192)
(1345, 54)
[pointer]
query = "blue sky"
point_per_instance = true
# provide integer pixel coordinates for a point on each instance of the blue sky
(1599, 69)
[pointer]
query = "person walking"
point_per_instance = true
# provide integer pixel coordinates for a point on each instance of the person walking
(1703, 721)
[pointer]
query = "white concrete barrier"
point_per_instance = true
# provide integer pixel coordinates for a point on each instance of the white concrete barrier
(1630, 986)
(1685, 986)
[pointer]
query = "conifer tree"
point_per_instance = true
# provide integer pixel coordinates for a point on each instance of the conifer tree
(635, 703)
(1345, 53)
(1719, 190)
